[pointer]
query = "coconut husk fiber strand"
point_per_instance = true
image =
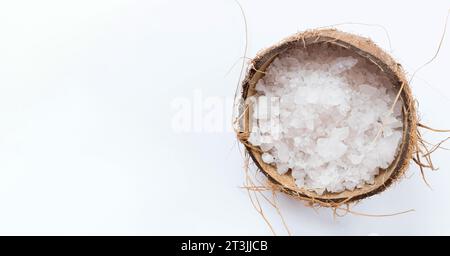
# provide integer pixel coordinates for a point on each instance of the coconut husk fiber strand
(365, 48)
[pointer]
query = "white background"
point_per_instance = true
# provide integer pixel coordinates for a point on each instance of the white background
(86, 141)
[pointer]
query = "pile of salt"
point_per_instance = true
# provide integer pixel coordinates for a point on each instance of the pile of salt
(326, 115)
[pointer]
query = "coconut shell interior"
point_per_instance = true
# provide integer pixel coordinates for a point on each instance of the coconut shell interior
(367, 49)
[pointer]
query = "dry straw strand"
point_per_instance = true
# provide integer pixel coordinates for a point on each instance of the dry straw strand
(437, 51)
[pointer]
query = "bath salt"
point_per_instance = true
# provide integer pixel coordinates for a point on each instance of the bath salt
(327, 117)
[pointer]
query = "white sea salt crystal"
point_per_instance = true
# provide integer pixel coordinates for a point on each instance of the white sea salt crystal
(368, 91)
(330, 148)
(282, 152)
(340, 133)
(282, 168)
(342, 64)
(267, 139)
(355, 159)
(267, 158)
(266, 147)
(322, 114)
(262, 108)
(255, 137)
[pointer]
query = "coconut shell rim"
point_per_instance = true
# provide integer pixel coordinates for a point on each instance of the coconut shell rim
(366, 49)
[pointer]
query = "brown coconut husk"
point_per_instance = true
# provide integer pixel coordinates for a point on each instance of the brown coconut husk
(410, 147)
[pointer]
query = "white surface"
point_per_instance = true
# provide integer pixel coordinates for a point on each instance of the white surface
(86, 142)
